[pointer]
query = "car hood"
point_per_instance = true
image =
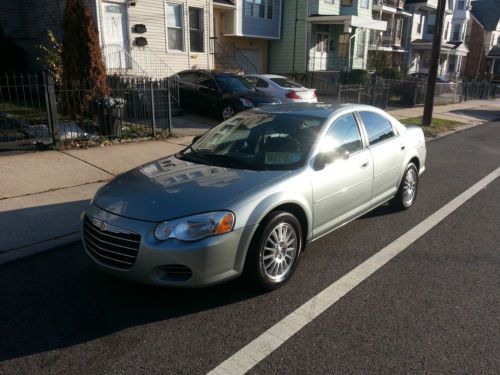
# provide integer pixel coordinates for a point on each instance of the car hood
(171, 188)
(256, 97)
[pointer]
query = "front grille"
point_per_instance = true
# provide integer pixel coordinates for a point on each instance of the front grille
(110, 245)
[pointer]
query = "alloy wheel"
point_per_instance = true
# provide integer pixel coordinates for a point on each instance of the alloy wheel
(280, 251)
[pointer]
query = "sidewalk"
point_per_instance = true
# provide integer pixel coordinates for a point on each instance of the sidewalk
(42, 194)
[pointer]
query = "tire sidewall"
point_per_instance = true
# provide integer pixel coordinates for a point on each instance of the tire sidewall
(256, 252)
(401, 188)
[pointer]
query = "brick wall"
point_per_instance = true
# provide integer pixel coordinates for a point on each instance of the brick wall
(477, 56)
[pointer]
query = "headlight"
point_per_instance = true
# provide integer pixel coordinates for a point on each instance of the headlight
(246, 103)
(196, 227)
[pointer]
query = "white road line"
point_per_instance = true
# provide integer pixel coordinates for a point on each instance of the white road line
(274, 337)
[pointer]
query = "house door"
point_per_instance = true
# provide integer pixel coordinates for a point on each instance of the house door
(321, 51)
(115, 41)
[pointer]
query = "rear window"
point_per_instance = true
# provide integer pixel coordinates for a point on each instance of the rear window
(283, 82)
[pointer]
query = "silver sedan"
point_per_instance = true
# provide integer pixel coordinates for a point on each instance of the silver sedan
(249, 195)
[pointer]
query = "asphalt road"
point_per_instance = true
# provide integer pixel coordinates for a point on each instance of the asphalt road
(435, 308)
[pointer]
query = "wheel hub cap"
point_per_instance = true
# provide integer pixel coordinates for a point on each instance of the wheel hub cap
(280, 251)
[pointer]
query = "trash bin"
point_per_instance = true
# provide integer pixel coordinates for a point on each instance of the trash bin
(110, 116)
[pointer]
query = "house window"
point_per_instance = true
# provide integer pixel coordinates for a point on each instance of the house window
(196, 29)
(445, 35)
(419, 25)
(431, 21)
(461, 5)
(259, 9)
(346, 3)
(174, 27)
(456, 31)
(363, 3)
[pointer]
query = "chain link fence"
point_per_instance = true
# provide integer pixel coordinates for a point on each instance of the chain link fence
(384, 93)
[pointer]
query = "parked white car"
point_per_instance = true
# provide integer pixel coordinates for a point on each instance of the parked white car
(282, 88)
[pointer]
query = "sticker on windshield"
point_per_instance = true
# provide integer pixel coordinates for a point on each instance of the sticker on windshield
(282, 157)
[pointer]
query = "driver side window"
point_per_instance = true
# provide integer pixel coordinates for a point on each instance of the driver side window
(344, 135)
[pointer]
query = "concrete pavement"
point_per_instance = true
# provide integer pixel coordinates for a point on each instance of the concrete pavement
(42, 194)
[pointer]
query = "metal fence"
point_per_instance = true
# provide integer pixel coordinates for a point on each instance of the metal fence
(35, 111)
(386, 93)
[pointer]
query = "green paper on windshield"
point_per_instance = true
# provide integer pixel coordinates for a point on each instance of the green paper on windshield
(282, 157)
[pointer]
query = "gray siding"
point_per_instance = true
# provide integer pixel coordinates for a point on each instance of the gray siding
(288, 54)
(264, 28)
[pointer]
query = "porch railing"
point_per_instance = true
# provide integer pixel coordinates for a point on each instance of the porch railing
(391, 3)
(229, 57)
(327, 63)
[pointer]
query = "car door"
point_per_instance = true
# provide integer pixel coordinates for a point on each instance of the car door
(388, 152)
(208, 92)
(188, 87)
(342, 189)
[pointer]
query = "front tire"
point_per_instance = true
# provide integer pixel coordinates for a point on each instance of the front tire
(275, 251)
(407, 192)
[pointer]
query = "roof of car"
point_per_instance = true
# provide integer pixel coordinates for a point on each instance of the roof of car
(321, 110)
(212, 72)
(268, 76)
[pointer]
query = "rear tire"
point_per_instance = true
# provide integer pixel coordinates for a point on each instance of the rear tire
(407, 192)
(274, 251)
(227, 112)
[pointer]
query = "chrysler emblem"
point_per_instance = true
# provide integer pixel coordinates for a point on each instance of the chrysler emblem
(102, 226)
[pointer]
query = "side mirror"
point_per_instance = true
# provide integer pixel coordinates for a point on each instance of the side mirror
(328, 157)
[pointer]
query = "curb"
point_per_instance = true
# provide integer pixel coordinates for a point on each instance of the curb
(458, 129)
(29, 250)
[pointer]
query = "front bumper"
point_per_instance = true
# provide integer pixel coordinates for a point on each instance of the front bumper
(211, 260)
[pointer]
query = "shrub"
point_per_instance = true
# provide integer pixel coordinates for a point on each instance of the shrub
(390, 73)
(355, 77)
(83, 65)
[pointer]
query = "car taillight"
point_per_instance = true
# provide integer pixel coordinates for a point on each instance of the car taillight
(314, 94)
(292, 95)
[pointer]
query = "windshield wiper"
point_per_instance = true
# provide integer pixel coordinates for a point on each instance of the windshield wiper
(193, 155)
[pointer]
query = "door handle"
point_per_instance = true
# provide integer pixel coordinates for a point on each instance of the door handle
(365, 164)
(403, 147)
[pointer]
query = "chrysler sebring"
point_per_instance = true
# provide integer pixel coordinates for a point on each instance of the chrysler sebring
(251, 193)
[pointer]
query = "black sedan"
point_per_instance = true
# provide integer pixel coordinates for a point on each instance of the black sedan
(222, 93)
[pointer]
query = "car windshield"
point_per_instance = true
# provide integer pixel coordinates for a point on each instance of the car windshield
(257, 141)
(283, 82)
(233, 83)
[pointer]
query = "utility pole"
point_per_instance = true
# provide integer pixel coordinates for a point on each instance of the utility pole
(433, 69)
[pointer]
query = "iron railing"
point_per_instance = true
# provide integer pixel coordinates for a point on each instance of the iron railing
(327, 63)
(35, 111)
(228, 57)
(24, 120)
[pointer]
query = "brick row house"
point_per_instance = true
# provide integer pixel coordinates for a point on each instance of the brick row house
(483, 37)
